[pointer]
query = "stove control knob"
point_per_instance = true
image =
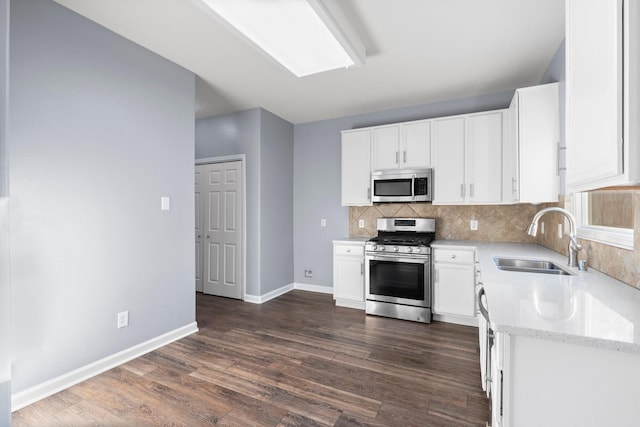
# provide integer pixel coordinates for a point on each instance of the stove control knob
(418, 250)
(409, 249)
(395, 249)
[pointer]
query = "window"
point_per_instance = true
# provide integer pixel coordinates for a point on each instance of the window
(606, 216)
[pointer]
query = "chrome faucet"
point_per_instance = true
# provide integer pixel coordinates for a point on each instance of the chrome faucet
(574, 246)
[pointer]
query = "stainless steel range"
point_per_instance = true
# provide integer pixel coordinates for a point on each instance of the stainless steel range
(398, 269)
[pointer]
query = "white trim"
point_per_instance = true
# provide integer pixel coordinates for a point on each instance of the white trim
(458, 320)
(48, 388)
(612, 236)
(260, 299)
(243, 159)
(313, 288)
(359, 305)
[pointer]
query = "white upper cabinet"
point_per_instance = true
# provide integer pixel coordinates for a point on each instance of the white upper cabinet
(467, 158)
(401, 146)
(530, 160)
(448, 160)
(416, 145)
(356, 168)
(602, 93)
(483, 157)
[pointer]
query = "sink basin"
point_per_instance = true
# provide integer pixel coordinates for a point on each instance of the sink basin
(529, 266)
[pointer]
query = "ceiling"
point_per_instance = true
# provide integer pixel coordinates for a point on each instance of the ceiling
(418, 51)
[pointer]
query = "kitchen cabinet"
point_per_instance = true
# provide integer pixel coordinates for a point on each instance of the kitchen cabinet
(602, 48)
(467, 158)
(356, 167)
(454, 296)
(401, 146)
(348, 274)
(533, 377)
(531, 149)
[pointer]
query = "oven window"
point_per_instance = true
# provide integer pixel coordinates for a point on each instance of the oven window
(392, 187)
(397, 279)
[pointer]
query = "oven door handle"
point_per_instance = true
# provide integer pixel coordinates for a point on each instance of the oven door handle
(423, 259)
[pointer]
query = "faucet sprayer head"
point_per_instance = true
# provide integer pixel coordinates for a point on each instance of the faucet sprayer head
(532, 230)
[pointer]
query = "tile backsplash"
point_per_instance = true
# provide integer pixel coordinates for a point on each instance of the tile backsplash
(506, 223)
(496, 223)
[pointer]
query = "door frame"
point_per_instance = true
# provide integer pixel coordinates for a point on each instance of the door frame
(242, 158)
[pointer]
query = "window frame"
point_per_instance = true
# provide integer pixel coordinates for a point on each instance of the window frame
(612, 236)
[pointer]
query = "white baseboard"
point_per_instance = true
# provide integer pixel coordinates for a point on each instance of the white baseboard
(458, 320)
(40, 391)
(314, 288)
(259, 299)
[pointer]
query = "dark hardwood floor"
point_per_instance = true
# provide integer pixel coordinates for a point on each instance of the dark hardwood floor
(294, 361)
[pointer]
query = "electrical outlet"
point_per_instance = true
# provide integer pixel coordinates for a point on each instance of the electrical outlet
(308, 273)
(323, 222)
(361, 223)
(559, 231)
(473, 225)
(542, 227)
(123, 319)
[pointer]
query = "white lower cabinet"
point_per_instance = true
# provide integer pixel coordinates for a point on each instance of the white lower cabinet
(540, 382)
(454, 298)
(348, 274)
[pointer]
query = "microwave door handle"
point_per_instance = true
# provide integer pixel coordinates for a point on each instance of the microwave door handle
(413, 187)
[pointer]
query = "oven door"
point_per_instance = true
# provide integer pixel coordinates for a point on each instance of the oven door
(398, 279)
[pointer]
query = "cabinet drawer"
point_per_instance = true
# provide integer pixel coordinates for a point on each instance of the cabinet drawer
(454, 256)
(355, 250)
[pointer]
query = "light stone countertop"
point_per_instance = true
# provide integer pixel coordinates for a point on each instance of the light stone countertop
(588, 307)
(359, 240)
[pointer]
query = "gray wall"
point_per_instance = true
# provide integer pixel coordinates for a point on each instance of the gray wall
(99, 130)
(276, 203)
(267, 142)
(238, 133)
(5, 289)
(316, 189)
(556, 72)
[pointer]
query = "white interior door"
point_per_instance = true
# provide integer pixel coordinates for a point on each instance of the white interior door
(222, 207)
(199, 228)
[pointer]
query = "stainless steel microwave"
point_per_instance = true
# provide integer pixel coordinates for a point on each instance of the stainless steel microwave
(404, 185)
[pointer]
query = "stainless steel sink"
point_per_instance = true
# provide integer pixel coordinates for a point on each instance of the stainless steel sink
(529, 266)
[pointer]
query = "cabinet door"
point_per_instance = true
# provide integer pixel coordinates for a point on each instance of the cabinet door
(386, 148)
(594, 100)
(538, 117)
(356, 168)
(416, 145)
(510, 154)
(453, 289)
(348, 280)
(448, 160)
(483, 158)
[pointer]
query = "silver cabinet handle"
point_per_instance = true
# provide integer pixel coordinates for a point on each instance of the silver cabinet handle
(470, 190)
(461, 190)
(454, 256)
(199, 236)
(405, 156)
(348, 250)
(513, 185)
(207, 236)
(397, 157)
(368, 193)
(362, 269)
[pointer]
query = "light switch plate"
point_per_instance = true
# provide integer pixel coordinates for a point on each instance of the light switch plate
(361, 223)
(123, 319)
(559, 231)
(473, 225)
(165, 203)
(323, 222)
